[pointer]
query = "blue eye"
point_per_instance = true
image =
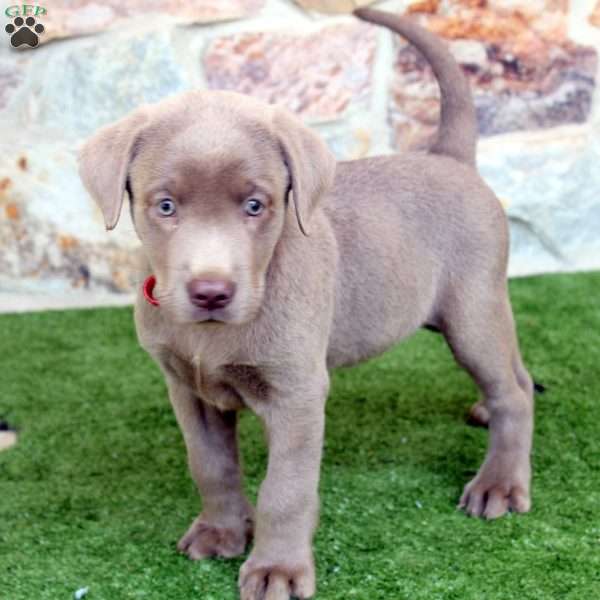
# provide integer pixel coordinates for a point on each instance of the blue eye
(166, 207)
(253, 207)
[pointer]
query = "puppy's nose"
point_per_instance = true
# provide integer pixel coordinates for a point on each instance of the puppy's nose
(210, 293)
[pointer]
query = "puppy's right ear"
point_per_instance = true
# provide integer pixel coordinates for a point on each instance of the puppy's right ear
(104, 163)
(310, 163)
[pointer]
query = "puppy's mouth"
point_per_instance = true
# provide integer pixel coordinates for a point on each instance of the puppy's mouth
(200, 315)
(224, 316)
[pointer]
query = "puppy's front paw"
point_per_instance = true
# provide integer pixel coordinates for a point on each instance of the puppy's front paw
(204, 539)
(277, 579)
(502, 484)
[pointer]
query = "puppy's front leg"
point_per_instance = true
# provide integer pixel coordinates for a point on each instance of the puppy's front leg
(281, 564)
(225, 525)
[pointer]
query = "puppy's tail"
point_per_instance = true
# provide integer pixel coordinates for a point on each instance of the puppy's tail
(457, 132)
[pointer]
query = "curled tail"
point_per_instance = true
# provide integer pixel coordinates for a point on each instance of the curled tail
(457, 131)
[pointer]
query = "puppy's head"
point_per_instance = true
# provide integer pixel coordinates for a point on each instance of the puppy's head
(208, 176)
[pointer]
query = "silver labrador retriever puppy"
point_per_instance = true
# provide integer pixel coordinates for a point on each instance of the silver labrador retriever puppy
(252, 301)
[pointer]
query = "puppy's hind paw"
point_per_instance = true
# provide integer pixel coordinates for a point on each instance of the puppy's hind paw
(479, 416)
(502, 485)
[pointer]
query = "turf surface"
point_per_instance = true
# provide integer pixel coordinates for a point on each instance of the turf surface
(97, 492)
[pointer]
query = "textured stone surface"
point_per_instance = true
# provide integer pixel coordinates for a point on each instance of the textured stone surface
(81, 17)
(314, 75)
(51, 234)
(12, 74)
(80, 90)
(332, 7)
(595, 16)
(511, 22)
(35, 256)
(423, 6)
(510, 94)
(550, 183)
(524, 73)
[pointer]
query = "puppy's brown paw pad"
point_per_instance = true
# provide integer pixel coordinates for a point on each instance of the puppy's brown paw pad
(276, 582)
(204, 540)
(491, 495)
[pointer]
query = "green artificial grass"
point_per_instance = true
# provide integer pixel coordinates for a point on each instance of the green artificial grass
(97, 491)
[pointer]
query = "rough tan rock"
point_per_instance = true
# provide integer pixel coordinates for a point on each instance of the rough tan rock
(524, 72)
(82, 17)
(595, 16)
(498, 21)
(533, 7)
(317, 76)
(424, 6)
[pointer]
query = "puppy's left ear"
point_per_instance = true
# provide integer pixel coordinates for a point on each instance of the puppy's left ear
(310, 164)
(104, 162)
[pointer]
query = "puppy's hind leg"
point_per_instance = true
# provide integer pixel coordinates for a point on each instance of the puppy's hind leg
(479, 415)
(479, 328)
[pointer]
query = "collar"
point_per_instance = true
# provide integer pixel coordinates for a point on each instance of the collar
(148, 288)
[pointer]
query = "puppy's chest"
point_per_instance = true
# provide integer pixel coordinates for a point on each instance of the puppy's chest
(228, 386)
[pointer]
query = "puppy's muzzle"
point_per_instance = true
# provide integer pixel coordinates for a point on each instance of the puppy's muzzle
(210, 294)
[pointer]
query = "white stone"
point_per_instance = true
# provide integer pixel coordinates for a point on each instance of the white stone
(52, 204)
(94, 81)
(551, 184)
(469, 52)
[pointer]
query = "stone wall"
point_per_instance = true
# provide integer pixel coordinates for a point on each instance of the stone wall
(532, 65)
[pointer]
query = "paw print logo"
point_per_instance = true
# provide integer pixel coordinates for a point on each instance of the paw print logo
(24, 31)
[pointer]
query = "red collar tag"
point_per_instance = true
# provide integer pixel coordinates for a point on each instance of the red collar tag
(148, 288)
